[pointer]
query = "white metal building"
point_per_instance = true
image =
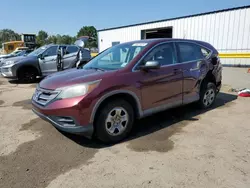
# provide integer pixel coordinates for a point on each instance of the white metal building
(227, 30)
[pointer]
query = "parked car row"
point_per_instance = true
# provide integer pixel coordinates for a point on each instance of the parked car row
(42, 62)
(15, 53)
(127, 81)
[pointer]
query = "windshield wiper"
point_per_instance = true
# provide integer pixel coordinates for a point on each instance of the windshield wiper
(96, 68)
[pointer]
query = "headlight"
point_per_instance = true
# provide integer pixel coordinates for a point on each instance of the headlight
(9, 63)
(77, 90)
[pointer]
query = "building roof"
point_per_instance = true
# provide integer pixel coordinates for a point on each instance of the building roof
(193, 15)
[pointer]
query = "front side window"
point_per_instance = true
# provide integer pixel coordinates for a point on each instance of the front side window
(164, 54)
(191, 52)
(52, 51)
(117, 56)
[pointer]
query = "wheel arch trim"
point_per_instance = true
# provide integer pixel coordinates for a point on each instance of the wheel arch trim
(27, 66)
(112, 93)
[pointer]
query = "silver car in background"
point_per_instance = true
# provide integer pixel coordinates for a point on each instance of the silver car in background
(42, 62)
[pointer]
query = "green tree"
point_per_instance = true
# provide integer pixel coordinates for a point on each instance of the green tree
(7, 35)
(42, 37)
(52, 39)
(89, 31)
(73, 39)
(66, 39)
(58, 39)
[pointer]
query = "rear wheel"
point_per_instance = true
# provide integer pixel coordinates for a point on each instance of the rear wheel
(115, 121)
(207, 95)
(27, 75)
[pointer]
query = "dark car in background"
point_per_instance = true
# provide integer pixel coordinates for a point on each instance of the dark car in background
(129, 81)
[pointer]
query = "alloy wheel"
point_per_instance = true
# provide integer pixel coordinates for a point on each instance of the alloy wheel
(117, 121)
(209, 97)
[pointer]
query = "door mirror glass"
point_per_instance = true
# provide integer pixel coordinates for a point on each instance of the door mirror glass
(45, 55)
(40, 56)
(150, 65)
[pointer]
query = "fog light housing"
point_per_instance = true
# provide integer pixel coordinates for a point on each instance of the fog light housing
(64, 121)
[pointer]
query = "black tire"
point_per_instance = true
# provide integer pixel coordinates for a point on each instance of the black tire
(207, 88)
(27, 75)
(100, 124)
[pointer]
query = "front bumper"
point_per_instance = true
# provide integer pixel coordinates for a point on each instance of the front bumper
(7, 72)
(85, 130)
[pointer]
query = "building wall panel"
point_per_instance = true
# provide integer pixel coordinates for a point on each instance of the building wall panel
(228, 31)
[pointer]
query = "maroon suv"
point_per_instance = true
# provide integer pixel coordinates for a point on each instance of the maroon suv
(128, 81)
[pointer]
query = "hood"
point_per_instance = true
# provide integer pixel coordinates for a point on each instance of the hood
(3, 56)
(7, 56)
(19, 58)
(72, 77)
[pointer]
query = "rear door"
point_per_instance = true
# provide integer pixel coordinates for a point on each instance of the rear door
(70, 58)
(193, 59)
(162, 88)
(48, 63)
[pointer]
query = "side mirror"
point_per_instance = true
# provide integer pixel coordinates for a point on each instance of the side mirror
(150, 65)
(40, 56)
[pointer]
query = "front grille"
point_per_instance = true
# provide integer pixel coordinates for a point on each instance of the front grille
(44, 96)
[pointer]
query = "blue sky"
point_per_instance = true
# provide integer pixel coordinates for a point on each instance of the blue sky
(67, 17)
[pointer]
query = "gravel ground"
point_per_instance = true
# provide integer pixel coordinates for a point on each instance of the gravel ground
(236, 77)
(183, 147)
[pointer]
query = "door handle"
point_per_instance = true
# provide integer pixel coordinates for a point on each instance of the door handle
(177, 70)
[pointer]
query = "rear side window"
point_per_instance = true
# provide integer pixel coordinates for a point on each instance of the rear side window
(191, 52)
(71, 49)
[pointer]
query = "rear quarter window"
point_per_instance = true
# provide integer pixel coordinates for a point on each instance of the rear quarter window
(205, 52)
(191, 52)
(71, 49)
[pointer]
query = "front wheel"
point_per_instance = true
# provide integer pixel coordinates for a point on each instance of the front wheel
(207, 95)
(27, 75)
(115, 121)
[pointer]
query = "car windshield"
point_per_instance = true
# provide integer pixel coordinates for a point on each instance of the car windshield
(38, 51)
(15, 53)
(116, 57)
(21, 53)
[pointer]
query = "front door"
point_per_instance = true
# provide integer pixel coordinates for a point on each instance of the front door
(70, 58)
(48, 62)
(162, 88)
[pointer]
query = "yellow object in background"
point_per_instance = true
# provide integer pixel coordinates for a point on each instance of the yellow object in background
(94, 54)
(235, 55)
(9, 47)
